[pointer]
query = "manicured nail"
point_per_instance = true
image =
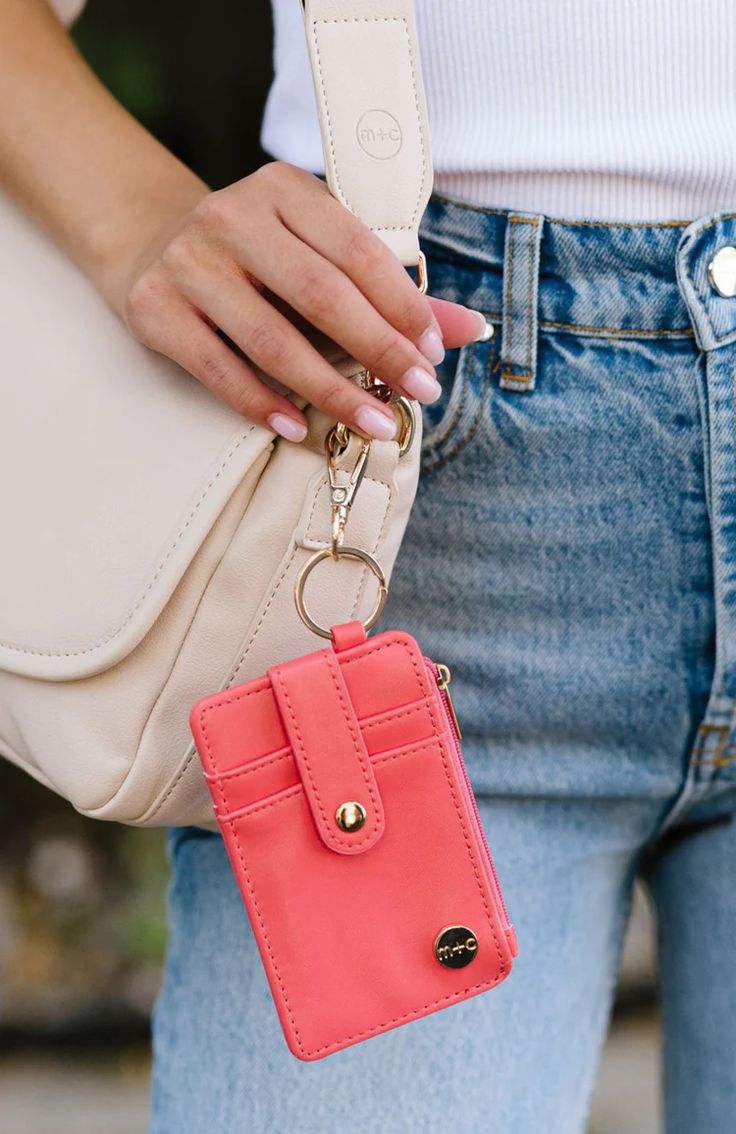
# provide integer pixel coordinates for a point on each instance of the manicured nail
(287, 426)
(485, 329)
(431, 346)
(375, 423)
(420, 385)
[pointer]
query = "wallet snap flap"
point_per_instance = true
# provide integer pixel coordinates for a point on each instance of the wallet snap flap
(112, 473)
(247, 751)
(326, 740)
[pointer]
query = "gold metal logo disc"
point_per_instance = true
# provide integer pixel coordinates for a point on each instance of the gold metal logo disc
(455, 946)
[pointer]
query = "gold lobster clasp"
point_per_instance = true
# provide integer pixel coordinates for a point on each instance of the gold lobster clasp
(343, 486)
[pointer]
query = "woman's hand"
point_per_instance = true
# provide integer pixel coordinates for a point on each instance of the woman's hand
(265, 257)
(255, 262)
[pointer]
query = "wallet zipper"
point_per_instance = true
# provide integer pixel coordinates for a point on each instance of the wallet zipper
(442, 677)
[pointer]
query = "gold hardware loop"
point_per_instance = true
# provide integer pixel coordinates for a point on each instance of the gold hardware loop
(408, 424)
(346, 553)
(400, 403)
(422, 274)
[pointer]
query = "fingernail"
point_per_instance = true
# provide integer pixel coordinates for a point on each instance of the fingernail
(375, 423)
(420, 385)
(287, 426)
(431, 346)
(485, 329)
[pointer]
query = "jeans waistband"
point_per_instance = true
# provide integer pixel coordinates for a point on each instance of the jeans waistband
(530, 270)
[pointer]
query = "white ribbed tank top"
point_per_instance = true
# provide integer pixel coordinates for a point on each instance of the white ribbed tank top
(614, 109)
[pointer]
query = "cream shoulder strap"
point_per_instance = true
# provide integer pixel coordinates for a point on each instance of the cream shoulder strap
(375, 134)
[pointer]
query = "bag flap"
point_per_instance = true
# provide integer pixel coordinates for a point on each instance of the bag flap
(114, 465)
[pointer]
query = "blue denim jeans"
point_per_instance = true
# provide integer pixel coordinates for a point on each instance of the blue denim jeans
(572, 557)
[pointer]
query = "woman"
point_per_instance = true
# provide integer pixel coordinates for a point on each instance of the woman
(572, 551)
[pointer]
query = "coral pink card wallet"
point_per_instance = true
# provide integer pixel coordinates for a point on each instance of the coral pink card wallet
(353, 832)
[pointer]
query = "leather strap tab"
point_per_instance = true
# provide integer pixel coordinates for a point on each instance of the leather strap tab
(328, 748)
(347, 635)
(373, 117)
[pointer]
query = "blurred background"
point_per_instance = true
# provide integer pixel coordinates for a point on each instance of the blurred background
(82, 903)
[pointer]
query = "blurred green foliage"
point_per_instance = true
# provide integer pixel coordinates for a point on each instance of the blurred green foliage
(195, 74)
(131, 68)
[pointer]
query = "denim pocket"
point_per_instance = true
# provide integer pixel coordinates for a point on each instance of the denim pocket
(451, 421)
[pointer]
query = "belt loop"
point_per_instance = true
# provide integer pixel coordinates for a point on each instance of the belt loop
(519, 320)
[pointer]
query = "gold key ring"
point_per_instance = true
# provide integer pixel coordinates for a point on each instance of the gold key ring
(347, 553)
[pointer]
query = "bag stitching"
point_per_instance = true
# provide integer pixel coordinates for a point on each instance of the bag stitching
(324, 490)
(377, 543)
(421, 678)
(112, 634)
(404, 711)
(233, 697)
(328, 119)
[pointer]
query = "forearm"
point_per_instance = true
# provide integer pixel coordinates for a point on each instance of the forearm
(99, 183)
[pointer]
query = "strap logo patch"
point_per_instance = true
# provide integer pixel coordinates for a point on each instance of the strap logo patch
(379, 134)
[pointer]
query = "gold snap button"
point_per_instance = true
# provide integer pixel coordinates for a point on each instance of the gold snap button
(455, 946)
(722, 271)
(351, 816)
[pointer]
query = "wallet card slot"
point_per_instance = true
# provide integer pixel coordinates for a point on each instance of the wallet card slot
(255, 780)
(249, 765)
(407, 724)
(428, 744)
(283, 796)
(240, 799)
(379, 682)
(219, 722)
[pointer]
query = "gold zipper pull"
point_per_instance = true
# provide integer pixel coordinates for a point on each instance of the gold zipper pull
(444, 677)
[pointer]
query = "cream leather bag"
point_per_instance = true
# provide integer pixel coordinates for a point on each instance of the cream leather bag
(152, 538)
